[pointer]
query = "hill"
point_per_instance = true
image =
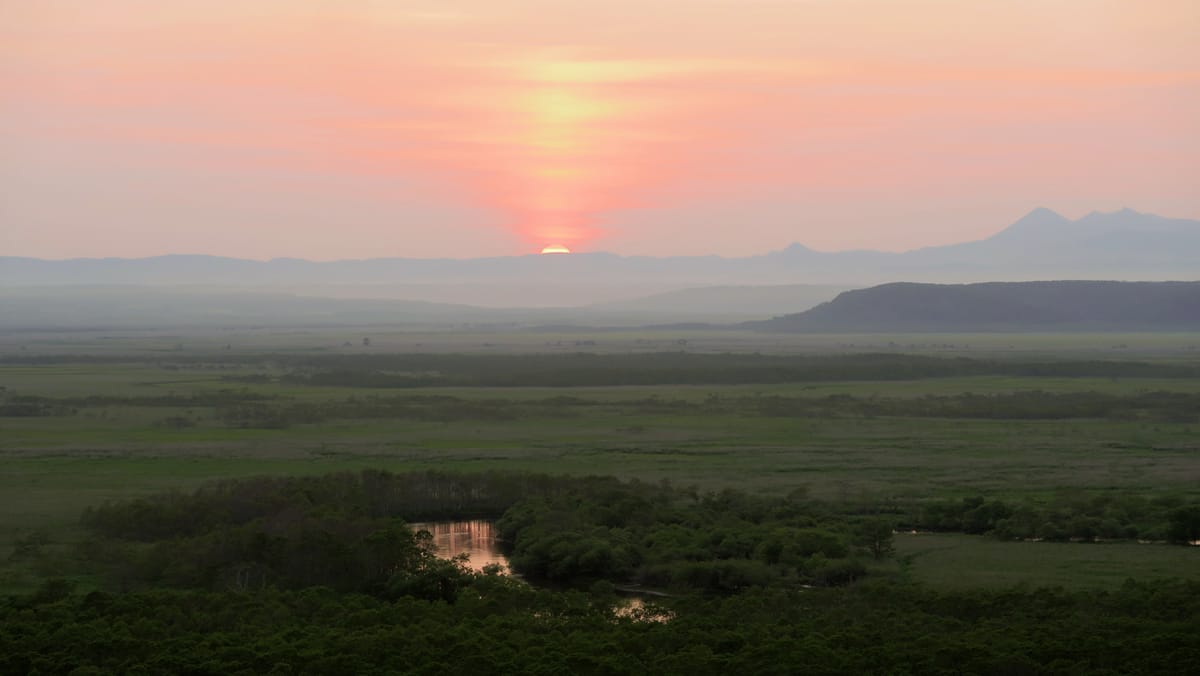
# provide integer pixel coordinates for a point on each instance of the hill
(709, 303)
(1003, 306)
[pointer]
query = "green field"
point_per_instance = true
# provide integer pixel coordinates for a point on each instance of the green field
(953, 561)
(140, 413)
(141, 343)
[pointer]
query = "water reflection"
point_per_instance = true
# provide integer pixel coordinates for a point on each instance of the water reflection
(474, 538)
(478, 540)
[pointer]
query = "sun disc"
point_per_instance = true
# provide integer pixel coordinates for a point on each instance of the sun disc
(555, 249)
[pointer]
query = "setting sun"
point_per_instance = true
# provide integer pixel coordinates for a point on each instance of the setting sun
(556, 249)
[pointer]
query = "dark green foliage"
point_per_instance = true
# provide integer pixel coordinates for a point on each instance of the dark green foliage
(321, 575)
(27, 406)
(342, 531)
(368, 494)
(242, 409)
(1184, 526)
(1078, 518)
(499, 626)
(347, 532)
(877, 536)
(583, 369)
(720, 542)
(393, 370)
(1025, 405)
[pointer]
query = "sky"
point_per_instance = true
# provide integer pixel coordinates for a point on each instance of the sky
(386, 128)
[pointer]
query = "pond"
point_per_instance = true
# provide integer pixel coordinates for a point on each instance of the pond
(478, 540)
(474, 538)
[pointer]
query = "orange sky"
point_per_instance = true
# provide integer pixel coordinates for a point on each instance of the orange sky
(492, 127)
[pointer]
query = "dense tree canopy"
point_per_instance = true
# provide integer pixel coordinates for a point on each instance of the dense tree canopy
(511, 628)
(322, 575)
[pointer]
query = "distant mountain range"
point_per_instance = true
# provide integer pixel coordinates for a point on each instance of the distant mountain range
(1042, 245)
(608, 290)
(1002, 306)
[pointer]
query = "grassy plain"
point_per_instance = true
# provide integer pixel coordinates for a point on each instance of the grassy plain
(493, 340)
(121, 443)
(955, 561)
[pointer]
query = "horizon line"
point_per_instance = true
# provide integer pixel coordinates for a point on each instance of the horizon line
(535, 254)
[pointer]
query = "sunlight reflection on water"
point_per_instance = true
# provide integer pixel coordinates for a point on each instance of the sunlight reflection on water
(478, 540)
(474, 538)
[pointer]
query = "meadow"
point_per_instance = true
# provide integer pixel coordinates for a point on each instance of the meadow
(951, 561)
(854, 419)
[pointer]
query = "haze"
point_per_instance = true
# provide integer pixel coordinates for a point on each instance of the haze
(659, 127)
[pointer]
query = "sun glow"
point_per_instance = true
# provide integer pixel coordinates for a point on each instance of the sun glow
(555, 249)
(574, 146)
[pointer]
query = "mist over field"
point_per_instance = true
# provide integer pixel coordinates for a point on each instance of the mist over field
(591, 289)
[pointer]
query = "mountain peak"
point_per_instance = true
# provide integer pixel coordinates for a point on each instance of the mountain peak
(1041, 216)
(1038, 220)
(795, 249)
(1121, 213)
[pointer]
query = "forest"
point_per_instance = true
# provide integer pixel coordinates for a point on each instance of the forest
(323, 575)
(497, 626)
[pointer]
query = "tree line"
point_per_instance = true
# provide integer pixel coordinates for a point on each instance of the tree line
(640, 368)
(247, 409)
(348, 531)
(1170, 518)
(682, 368)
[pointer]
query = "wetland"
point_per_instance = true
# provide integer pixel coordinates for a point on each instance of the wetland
(283, 479)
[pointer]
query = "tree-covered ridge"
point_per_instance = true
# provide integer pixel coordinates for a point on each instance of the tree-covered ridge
(1072, 305)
